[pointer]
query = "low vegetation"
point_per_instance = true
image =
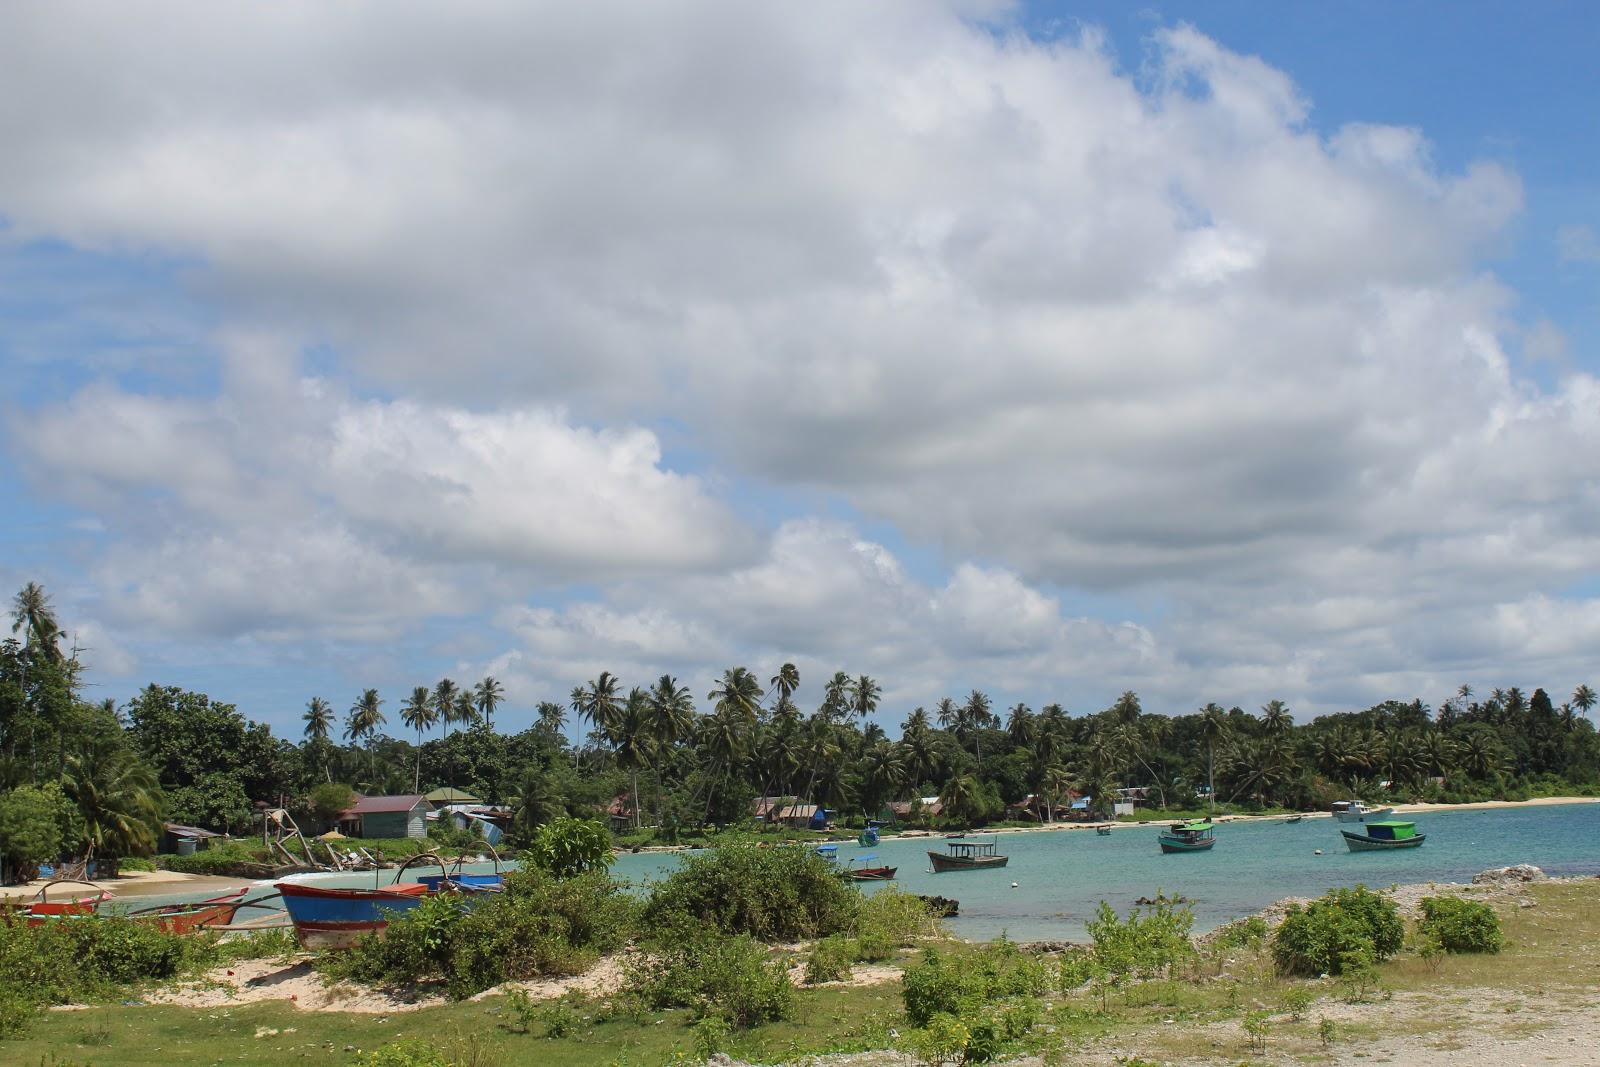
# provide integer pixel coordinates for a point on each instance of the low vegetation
(1346, 930)
(1457, 925)
(771, 894)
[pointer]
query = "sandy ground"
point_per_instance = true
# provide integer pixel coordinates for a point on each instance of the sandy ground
(130, 884)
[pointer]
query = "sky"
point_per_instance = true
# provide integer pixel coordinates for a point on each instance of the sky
(1222, 352)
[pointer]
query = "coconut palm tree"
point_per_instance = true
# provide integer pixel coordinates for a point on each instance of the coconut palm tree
(34, 617)
(739, 694)
(1276, 718)
(1213, 731)
(883, 770)
(551, 718)
(118, 800)
(467, 713)
(318, 718)
(420, 713)
(1583, 699)
(601, 702)
(959, 798)
(535, 803)
(786, 681)
(724, 740)
(836, 696)
(864, 694)
(669, 716)
(1126, 710)
(444, 700)
(366, 715)
(1020, 725)
(631, 741)
(489, 694)
(947, 714)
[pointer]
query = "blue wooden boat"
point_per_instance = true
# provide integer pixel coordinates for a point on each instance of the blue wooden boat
(337, 918)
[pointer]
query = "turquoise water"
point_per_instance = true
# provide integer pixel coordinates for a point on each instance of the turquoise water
(1061, 877)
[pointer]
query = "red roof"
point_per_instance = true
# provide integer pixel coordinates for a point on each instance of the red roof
(374, 805)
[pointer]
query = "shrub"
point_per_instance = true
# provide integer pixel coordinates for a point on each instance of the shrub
(540, 925)
(889, 920)
(558, 1019)
(222, 858)
(961, 981)
(411, 1052)
(830, 960)
(328, 800)
(772, 894)
(136, 863)
(1248, 933)
(1153, 939)
(569, 847)
(1458, 925)
(714, 975)
(30, 826)
(1344, 928)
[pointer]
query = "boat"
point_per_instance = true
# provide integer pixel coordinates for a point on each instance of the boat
(454, 878)
(337, 918)
(1384, 835)
(189, 918)
(41, 909)
(828, 852)
(1196, 835)
(1294, 818)
(1355, 811)
(868, 837)
(967, 856)
(868, 872)
(1103, 831)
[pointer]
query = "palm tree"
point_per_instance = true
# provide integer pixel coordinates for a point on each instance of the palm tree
(318, 718)
(1276, 718)
(489, 695)
(959, 797)
(467, 709)
(1583, 699)
(974, 717)
(578, 699)
(600, 702)
(34, 617)
(444, 699)
(552, 718)
(366, 715)
(669, 716)
(535, 804)
(1126, 710)
(1213, 731)
(864, 694)
(739, 694)
(786, 681)
(419, 713)
(883, 770)
(948, 714)
(117, 798)
(836, 695)
(1020, 725)
(724, 737)
(631, 741)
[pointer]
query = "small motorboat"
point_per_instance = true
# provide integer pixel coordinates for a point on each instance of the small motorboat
(868, 837)
(1355, 811)
(1384, 836)
(1196, 835)
(1103, 831)
(967, 856)
(862, 869)
(1294, 818)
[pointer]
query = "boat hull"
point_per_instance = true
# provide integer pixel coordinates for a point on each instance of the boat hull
(872, 874)
(338, 918)
(943, 863)
(1171, 844)
(1364, 815)
(1363, 843)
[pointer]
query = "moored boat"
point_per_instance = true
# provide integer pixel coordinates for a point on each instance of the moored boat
(1355, 811)
(1383, 836)
(1103, 831)
(868, 837)
(337, 918)
(967, 856)
(41, 909)
(1196, 835)
(861, 869)
(188, 918)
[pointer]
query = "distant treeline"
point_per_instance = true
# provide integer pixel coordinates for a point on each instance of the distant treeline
(80, 778)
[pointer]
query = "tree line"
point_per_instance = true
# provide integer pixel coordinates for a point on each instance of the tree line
(663, 757)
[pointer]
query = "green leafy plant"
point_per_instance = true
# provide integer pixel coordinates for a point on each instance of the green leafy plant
(830, 959)
(558, 1018)
(961, 981)
(1327, 1031)
(570, 847)
(1338, 931)
(889, 920)
(1296, 1000)
(1258, 1025)
(1457, 925)
(712, 974)
(772, 894)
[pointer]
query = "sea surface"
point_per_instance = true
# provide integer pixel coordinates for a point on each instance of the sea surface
(1061, 877)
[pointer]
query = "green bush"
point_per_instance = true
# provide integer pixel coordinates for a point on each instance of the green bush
(1345, 928)
(1152, 940)
(136, 863)
(830, 959)
(411, 1052)
(1458, 925)
(889, 920)
(31, 830)
(772, 894)
(711, 974)
(223, 857)
(540, 925)
(569, 847)
(962, 981)
(1248, 933)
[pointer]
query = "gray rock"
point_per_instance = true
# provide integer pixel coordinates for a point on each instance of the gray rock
(1522, 872)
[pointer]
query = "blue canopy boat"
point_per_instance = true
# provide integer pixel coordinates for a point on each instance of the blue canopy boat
(1383, 836)
(1196, 835)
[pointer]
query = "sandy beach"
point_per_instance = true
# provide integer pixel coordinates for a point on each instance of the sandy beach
(130, 884)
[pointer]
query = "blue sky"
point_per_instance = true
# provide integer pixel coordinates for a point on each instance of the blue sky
(1250, 354)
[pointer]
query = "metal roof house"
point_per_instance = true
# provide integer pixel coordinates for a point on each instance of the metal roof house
(371, 817)
(445, 795)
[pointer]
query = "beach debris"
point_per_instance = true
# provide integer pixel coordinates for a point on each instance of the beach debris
(1522, 872)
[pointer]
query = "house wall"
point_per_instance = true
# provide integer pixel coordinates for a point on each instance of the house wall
(394, 824)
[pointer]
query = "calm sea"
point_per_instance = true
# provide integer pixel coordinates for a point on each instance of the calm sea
(1062, 877)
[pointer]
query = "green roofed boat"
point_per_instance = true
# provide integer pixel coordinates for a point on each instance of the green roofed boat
(1384, 835)
(1196, 835)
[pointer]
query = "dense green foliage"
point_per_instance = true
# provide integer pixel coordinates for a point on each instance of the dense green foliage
(540, 925)
(772, 894)
(734, 979)
(1345, 929)
(1457, 925)
(568, 847)
(85, 959)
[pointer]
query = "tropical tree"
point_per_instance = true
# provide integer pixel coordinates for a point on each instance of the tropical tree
(668, 718)
(786, 681)
(738, 694)
(366, 715)
(1020, 725)
(118, 800)
(1583, 699)
(318, 718)
(600, 703)
(882, 770)
(551, 718)
(1213, 731)
(34, 617)
(536, 803)
(1275, 717)
(444, 701)
(864, 696)
(632, 742)
(489, 694)
(420, 713)
(959, 798)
